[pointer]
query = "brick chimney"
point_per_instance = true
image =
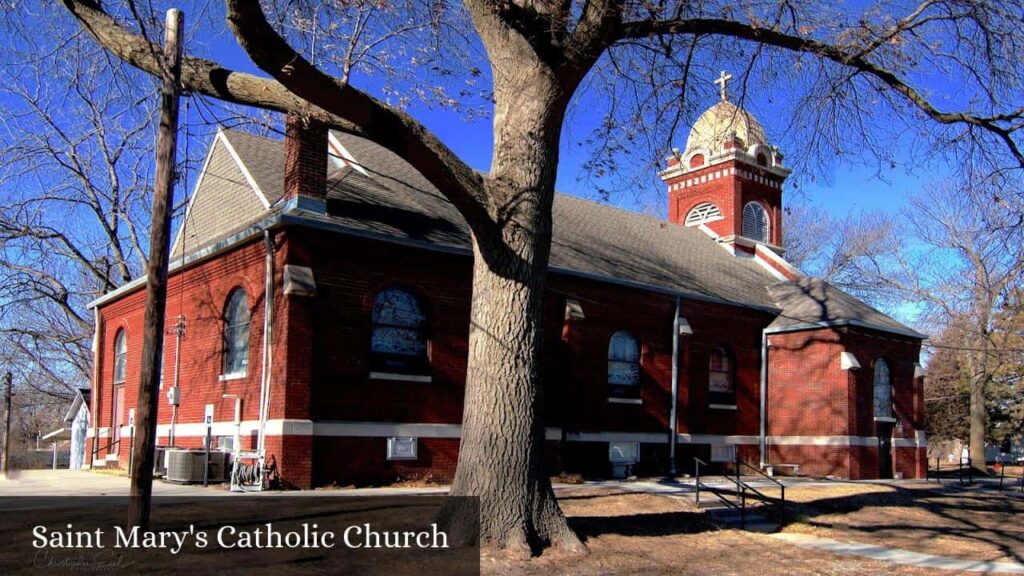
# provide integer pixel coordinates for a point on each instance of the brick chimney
(305, 163)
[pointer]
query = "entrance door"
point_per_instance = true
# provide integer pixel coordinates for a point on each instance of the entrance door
(884, 449)
(118, 419)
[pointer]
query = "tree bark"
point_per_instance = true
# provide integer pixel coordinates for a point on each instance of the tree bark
(979, 374)
(501, 456)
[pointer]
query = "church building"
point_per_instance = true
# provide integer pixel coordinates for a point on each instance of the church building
(318, 317)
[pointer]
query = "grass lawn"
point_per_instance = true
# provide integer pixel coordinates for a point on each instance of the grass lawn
(959, 522)
(652, 535)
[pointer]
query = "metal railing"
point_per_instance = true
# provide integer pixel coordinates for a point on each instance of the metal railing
(742, 490)
(741, 506)
(108, 448)
(960, 469)
(781, 502)
(1002, 477)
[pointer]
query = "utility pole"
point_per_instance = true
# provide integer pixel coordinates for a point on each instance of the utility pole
(156, 277)
(5, 461)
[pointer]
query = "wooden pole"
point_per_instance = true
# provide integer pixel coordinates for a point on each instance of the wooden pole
(144, 440)
(4, 462)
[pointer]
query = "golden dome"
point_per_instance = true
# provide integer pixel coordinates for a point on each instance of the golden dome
(719, 123)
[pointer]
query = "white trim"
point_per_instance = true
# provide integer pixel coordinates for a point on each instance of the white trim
(643, 437)
(103, 432)
(906, 443)
(625, 401)
(345, 155)
(885, 419)
(245, 171)
(766, 256)
(386, 429)
(401, 377)
(722, 406)
(232, 376)
(715, 439)
(823, 440)
(848, 361)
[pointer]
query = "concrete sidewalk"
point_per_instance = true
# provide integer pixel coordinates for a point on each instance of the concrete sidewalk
(898, 555)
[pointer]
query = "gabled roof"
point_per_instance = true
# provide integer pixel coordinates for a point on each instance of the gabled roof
(394, 200)
(82, 398)
(812, 302)
(372, 192)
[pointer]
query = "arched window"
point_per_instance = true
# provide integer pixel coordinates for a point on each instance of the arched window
(755, 222)
(236, 333)
(762, 160)
(623, 365)
(721, 389)
(883, 390)
(696, 160)
(120, 356)
(399, 340)
(704, 212)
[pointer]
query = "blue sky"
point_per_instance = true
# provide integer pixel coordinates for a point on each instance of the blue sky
(844, 186)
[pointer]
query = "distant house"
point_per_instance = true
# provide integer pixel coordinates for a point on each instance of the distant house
(321, 286)
(77, 420)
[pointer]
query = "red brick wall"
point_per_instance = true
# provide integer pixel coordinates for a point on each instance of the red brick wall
(810, 395)
(730, 193)
(321, 363)
(199, 294)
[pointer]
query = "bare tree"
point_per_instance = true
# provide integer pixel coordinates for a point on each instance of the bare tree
(953, 256)
(74, 171)
(853, 64)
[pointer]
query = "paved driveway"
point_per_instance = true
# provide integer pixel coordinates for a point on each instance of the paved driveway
(86, 483)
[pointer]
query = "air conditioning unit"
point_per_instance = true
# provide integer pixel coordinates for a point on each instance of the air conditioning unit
(160, 461)
(186, 466)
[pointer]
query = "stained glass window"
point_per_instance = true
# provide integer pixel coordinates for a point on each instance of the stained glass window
(883, 390)
(720, 377)
(236, 333)
(120, 356)
(399, 336)
(623, 359)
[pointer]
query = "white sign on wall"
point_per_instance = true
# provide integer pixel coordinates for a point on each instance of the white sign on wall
(131, 417)
(208, 419)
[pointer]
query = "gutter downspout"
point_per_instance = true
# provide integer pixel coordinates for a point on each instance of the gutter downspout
(675, 392)
(95, 386)
(762, 440)
(268, 324)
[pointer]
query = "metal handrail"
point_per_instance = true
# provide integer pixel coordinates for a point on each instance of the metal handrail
(729, 503)
(107, 447)
(759, 472)
(782, 503)
(741, 490)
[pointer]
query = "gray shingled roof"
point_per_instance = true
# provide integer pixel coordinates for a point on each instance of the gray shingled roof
(811, 301)
(394, 200)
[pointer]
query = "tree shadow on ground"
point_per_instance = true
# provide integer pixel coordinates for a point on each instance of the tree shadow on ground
(971, 515)
(982, 520)
(649, 524)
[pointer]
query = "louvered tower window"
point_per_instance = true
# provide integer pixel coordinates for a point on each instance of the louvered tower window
(701, 213)
(755, 222)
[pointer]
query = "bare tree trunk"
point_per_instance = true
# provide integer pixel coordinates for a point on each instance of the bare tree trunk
(500, 459)
(978, 366)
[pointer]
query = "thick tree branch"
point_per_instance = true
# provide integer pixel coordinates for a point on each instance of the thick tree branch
(308, 93)
(839, 55)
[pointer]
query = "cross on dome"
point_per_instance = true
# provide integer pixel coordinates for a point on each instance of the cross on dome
(723, 78)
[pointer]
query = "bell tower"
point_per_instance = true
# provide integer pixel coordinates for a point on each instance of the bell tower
(728, 180)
